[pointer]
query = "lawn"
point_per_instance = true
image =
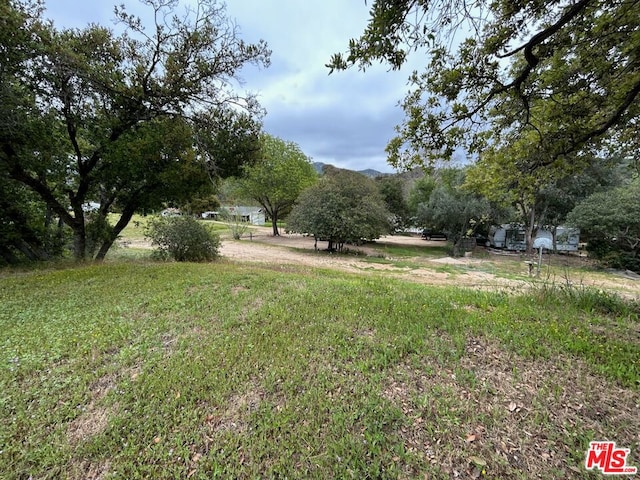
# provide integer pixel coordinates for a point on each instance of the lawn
(148, 370)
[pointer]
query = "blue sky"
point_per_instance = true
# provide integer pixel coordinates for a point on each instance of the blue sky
(345, 118)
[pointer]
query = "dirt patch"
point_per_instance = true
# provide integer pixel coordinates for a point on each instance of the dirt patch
(238, 407)
(293, 252)
(91, 422)
(94, 417)
(87, 471)
(236, 289)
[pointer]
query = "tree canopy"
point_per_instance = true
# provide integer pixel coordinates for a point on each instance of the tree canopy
(343, 207)
(121, 120)
(611, 220)
(276, 180)
(392, 191)
(565, 72)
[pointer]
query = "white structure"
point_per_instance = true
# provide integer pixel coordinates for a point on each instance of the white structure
(252, 215)
(171, 212)
(567, 239)
(513, 237)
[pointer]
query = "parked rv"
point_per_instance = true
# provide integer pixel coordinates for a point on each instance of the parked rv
(513, 237)
(507, 236)
(567, 239)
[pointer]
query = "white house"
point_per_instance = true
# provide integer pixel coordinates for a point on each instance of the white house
(252, 215)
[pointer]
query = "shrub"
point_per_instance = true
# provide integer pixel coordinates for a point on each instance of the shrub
(236, 225)
(183, 239)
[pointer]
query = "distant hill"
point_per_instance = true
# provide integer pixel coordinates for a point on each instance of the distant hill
(369, 172)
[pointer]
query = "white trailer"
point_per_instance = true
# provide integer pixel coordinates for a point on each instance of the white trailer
(507, 236)
(513, 237)
(567, 239)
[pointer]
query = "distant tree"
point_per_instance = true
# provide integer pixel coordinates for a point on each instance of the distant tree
(392, 191)
(420, 193)
(198, 204)
(343, 207)
(231, 192)
(611, 221)
(560, 197)
(88, 115)
(503, 175)
(453, 210)
(276, 180)
(542, 197)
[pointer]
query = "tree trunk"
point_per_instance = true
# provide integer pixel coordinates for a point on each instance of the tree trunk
(32, 252)
(529, 230)
(127, 213)
(104, 248)
(79, 243)
(274, 223)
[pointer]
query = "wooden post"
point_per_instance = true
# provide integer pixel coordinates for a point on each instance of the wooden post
(539, 261)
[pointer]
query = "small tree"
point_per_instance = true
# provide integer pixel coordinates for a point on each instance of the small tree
(277, 179)
(343, 207)
(183, 239)
(611, 221)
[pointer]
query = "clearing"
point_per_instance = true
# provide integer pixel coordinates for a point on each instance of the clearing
(409, 257)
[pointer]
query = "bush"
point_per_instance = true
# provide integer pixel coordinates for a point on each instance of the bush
(236, 225)
(182, 239)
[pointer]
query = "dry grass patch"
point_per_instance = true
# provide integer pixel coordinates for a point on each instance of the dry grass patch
(94, 417)
(88, 471)
(233, 416)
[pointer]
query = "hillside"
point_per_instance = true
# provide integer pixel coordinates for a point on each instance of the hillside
(368, 172)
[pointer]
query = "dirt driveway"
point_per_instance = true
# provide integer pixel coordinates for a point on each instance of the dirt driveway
(484, 271)
(472, 272)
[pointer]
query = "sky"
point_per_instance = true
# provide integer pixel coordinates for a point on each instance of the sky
(345, 119)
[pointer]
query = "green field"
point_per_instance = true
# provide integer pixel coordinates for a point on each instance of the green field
(149, 370)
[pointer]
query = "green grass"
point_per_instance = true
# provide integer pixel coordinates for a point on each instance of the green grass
(134, 229)
(147, 370)
(410, 250)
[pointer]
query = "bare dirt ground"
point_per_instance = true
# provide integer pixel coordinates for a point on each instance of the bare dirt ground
(286, 249)
(484, 270)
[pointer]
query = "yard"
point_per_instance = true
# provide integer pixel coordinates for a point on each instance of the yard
(408, 258)
(281, 362)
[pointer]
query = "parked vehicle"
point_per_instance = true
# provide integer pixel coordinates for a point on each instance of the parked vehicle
(567, 239)
(428, 234)
(513, 237)
(507, 236)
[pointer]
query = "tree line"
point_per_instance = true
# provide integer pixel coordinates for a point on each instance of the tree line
(94, 122)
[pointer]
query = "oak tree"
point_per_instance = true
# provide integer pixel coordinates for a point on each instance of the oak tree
(276, 180)
(88, 115)
(567, 71)
(343, 207)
